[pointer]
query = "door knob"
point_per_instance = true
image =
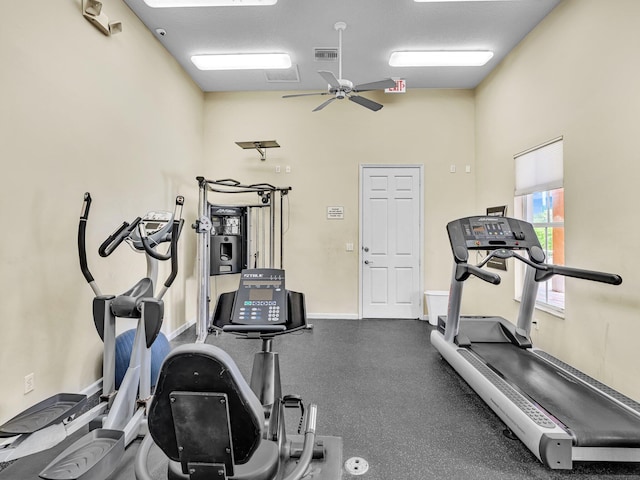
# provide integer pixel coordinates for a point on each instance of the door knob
(367, 262)
(366, 249)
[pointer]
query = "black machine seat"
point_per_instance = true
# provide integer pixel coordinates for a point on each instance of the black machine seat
(296, 317)
(205, 416)
(127, 305)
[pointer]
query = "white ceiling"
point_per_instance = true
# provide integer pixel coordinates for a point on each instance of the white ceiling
(375, 28)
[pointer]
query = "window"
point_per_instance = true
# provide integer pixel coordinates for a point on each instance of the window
(539, 199)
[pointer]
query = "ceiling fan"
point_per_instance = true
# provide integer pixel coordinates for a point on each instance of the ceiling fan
(341, 88)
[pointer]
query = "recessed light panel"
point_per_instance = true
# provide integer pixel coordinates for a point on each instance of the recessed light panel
(440, 58)
(208, 3)
(442, 1)
(243, 61)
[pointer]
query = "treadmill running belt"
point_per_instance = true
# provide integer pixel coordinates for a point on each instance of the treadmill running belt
(594, 419)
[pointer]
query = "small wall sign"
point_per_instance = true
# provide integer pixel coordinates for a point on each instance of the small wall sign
(335, 213)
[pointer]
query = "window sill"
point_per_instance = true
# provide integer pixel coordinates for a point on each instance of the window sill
(553, 311)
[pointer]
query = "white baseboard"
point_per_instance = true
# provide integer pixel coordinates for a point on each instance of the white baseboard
(181, 329)
(336, 316)
(95, 387)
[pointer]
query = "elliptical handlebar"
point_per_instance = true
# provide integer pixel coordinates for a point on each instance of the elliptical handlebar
(123, 232)
(82, 228)
(176, 229)
(114, 240)
(175, 233)
(148, 248)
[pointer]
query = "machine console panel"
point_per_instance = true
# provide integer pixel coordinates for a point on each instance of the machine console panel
(261, 298)
(157, 226)
(490, 233)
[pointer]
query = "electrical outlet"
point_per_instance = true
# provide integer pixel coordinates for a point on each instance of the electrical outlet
(277, 168)
(29, 383)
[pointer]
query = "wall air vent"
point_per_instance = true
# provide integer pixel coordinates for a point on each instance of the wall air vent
(325, 54)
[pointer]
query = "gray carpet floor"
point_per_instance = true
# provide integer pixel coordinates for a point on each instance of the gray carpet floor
(382, 387)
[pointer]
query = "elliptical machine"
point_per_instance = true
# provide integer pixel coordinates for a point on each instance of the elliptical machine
(212, 424)
(98, 453)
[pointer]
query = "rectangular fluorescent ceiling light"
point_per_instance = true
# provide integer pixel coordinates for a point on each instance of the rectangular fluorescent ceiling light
(440, 58)
(242, 61)
(208, 3)
(442, 1)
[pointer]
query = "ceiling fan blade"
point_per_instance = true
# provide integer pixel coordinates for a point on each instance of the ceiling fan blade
(304, 94)
(380, 85)
(320, 107)
(330, 78)
(365, 102)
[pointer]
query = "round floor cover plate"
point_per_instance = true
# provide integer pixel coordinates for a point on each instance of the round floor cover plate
(356, 466)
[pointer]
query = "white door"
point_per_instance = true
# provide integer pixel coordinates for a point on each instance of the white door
(391, 242)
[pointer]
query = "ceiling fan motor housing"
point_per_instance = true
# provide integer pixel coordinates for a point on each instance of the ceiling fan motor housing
(345, 85)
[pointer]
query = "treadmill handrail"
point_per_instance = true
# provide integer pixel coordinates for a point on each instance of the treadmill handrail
(465, 270)
(546, 271)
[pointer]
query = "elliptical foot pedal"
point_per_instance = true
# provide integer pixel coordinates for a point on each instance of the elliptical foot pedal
(96, 455)
(47, 412)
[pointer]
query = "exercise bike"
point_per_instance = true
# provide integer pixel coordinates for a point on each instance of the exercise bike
(98, 453)
(212, 424)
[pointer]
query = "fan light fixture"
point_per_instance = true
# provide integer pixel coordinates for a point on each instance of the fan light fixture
(440, 58)
(208, 3)
(242, 61)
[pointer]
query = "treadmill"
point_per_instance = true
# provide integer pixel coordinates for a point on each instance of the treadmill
(561, 414)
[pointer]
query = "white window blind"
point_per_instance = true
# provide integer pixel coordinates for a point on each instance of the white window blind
(539, 168)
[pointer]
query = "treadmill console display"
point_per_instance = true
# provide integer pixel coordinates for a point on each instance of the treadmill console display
(261, 298)
(487, 229)
(492, 233)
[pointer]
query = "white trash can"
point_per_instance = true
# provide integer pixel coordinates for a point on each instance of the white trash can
(437, 304)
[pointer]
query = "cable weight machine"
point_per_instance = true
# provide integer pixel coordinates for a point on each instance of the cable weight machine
(233, 237)
(204, 416)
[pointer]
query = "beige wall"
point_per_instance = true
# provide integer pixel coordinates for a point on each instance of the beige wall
(324, 150)
(118, 117)
(82, 112)
(575, 75)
